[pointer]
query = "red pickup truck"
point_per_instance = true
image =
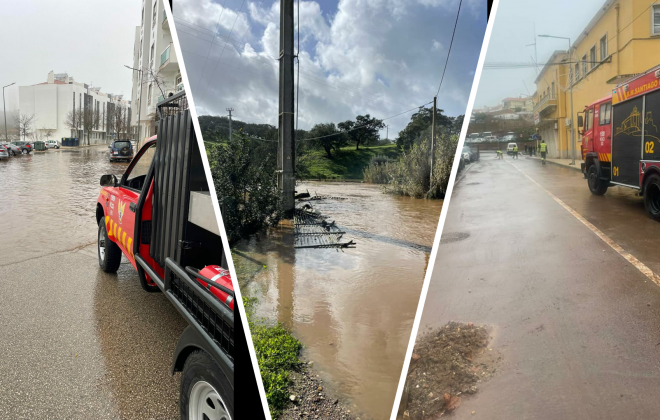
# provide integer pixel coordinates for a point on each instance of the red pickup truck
(160, 217)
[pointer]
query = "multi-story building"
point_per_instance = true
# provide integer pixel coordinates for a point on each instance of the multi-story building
(616, 44)
(156, 73)
(57, 103)
(518, 104)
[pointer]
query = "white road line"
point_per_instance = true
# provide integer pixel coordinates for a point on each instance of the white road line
(643, 268)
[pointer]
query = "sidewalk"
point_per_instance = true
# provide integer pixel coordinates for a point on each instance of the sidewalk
(561, 162)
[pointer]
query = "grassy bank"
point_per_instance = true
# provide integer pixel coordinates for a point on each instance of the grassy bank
(277, 354)
(347, 163)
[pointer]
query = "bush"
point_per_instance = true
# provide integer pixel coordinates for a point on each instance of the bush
(277, 354)
(376, 172)
(246, 185)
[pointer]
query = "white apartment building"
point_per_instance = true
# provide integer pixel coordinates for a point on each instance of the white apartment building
(53, 101)
(158, 75)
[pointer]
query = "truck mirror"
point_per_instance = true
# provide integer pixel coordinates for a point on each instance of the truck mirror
(108, 180)
(580, 122)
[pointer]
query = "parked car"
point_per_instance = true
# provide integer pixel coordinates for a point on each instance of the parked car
(467, 155)
(3, 152)
(11, 149)
(25, 146)
(509, 148)
(52, 144)
(121, 150)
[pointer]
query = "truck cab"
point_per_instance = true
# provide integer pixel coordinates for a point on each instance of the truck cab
(595, 128)
(160, 216)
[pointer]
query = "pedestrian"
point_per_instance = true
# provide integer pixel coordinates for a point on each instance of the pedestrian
(515, 151)
(500, 155)
(543, 148)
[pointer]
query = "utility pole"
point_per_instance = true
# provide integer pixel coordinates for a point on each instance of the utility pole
(230, 110)
(4, 108)
(387, 136)
(435, 99)
(286, 180)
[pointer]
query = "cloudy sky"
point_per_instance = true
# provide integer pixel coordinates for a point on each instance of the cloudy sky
(90, 40)
(380, 57)
(513, 30)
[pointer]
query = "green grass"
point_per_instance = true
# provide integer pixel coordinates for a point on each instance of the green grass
(277, 354)
(347, 163)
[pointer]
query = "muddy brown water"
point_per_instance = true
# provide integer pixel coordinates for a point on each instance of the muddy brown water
(48, 200)
(352, 310)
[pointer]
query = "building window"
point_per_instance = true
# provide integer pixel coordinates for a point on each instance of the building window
(584, 65)
(153, 18)
(603, 48)
(553, 90)
(605, 114)
(577, 72)
(655, 20)
(592, 56)
(149, 95)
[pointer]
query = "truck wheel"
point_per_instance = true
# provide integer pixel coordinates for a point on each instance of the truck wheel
(652, 196)
(596, 185)
(109, 252)
(205, 390)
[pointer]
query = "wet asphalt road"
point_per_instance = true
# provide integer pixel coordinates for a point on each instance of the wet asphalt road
(75, 343)
(577, 326)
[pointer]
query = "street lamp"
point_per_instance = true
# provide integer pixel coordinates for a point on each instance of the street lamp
(571, 90)
(139, 100)
(4, 108)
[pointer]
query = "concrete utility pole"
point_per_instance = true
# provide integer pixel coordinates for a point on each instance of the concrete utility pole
(286, 180)
(435, 99)
(387, 136)
(4, 108)
(230, 111)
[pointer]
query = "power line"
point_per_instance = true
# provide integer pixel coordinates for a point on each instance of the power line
(450, 44)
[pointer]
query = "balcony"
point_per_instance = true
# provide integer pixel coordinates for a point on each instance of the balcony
(168, 61)
(546, 105)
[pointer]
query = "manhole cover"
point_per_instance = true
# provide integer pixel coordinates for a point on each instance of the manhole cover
(453, 237)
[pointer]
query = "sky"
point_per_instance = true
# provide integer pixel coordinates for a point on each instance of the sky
(377, 57)
(90, 40)
(513, 30)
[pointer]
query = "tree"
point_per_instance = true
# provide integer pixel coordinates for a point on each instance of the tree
(119, 119)
(364, 130)
(73, 121)
(41, 134)
(419, 122)
(330, 138)
(24, 124)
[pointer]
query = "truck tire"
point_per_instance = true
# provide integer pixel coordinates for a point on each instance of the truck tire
(205, 391)
(652, 196)
(596, 185)
(108, 251)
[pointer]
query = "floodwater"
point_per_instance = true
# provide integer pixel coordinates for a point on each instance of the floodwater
(352, 310)
(48, 200)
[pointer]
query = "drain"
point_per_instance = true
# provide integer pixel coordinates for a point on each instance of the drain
(453, 237)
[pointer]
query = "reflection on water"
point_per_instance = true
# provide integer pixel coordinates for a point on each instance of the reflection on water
(352, 310)
(43, 192)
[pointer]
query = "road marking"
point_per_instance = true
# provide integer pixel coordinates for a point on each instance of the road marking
(643, 268)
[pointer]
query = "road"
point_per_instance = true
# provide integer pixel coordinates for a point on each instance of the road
(577, 325)
(75, 342)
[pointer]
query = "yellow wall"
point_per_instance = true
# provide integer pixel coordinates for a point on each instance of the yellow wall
(634, 50)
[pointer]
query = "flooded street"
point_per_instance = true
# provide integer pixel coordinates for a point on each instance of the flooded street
(76, 342)
(352, 310)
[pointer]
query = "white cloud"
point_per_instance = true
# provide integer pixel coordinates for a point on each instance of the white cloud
(365, 56)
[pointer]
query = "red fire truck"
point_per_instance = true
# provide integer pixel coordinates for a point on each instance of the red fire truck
(621, 141)
(160, 217)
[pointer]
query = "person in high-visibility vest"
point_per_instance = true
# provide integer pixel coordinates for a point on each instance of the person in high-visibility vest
(515, 151)
(543, 148)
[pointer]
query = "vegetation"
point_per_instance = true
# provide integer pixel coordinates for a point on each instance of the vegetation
(347, 163)
(244, 176)
(277, 354)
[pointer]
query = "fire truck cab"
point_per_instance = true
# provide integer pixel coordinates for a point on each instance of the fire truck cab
(621, 140)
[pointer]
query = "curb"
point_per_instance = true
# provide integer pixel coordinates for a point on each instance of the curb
(575, 168)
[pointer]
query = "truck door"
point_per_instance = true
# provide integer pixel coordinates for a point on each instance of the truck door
(651, 124)
(627, 141)
(602, 131)
(124, 201)
(588, 131)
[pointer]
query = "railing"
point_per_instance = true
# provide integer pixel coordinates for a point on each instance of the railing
(548, 100)
(165, 56)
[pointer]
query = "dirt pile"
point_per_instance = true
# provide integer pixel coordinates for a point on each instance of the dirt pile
(310, 399)
(446, 364)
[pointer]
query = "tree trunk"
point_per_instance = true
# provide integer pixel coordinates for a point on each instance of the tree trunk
(328, 152)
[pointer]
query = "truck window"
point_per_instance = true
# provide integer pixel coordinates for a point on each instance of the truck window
(589, 120)
(605, 113)
(138, 172)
